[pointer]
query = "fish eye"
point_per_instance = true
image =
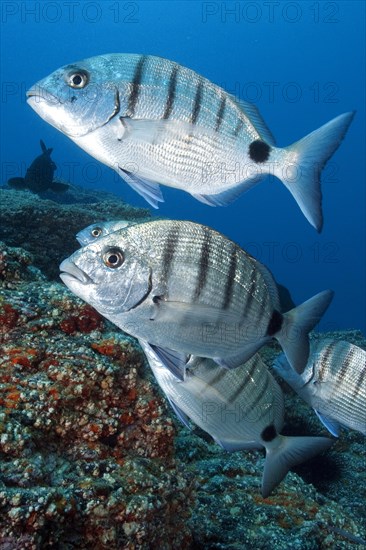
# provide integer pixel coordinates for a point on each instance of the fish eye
(78, 80)
(96, 232)
(113, 257)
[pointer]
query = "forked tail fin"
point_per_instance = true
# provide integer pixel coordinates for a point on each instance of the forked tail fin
(297, 323)
(303, 161)
(288, 452)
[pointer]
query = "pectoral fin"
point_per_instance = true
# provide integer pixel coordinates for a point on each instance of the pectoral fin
(157, 131)
(190, 313)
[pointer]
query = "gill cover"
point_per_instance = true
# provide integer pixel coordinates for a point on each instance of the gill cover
(124, 288)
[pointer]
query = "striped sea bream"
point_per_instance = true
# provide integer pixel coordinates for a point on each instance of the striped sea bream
(175, 127)
(241, 409)
(333, 383)
(185, 287)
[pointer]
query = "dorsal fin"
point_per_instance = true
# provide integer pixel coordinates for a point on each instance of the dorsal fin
(44, 148)
(252, 112)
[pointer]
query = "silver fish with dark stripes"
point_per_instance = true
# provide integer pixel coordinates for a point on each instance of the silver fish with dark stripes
(184, 287)
(241, 409)
(100, 229)
(333, 383)
(157, 122)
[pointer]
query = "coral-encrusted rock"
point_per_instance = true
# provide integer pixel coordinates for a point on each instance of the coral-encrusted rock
(16, 267)
(47, 229)
(86, 450)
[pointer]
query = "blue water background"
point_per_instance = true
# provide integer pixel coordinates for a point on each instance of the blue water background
(302, 63)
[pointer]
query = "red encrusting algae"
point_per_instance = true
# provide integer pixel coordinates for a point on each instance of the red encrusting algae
(87, 453)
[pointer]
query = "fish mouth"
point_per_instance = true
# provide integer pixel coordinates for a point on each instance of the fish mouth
(37, 94)
(33, 92)
(70, 273)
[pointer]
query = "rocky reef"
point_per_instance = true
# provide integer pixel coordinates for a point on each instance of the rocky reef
(47, 229)
(86, 447)
(91, 456)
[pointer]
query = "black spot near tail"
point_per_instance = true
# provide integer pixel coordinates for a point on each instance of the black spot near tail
(269, 433)
(275, 323)
(259, 151)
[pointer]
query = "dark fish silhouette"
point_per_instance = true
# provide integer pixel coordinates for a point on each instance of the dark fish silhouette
(39, 176)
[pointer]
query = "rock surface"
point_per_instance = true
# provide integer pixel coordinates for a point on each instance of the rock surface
(47, 229)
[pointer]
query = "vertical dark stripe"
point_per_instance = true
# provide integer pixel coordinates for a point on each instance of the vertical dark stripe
(169, 251)
(360, 381)
(230, 278)
(220, 114)
(197, 102)
(347, 363)
(238, 127)
(171, 92)
(324, 361)
(135, 86)
(203, 266)
(245, 381)
(261, 393)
